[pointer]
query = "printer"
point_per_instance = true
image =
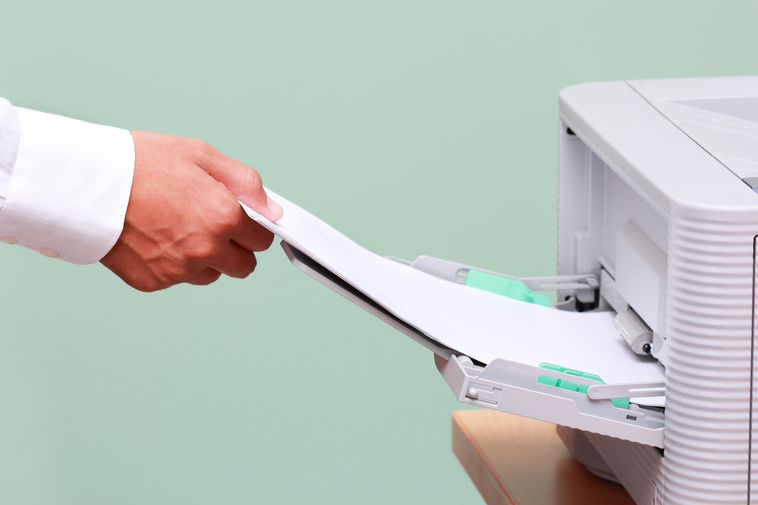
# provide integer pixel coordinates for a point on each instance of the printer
(658, 221)
(658, 193)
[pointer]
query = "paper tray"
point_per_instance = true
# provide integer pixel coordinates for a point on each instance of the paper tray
(454, 320)
(504, 385)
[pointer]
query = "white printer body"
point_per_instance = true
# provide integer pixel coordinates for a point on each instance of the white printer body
(657, 196)
(658, 220)
(657, 201)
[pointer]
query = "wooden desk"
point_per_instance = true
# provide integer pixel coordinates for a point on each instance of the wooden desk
(514, 460)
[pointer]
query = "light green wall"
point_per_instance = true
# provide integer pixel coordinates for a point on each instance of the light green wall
(413, 127)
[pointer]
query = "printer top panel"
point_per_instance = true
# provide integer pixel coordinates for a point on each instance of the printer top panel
(689, 141)
(719, 114)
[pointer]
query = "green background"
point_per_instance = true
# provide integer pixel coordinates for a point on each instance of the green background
(413, 127)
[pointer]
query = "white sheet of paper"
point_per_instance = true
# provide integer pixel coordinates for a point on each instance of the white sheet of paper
(479, 324)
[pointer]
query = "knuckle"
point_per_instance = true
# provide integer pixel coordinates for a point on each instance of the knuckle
(227, 216)
(147, 285)
(253, 182)
(262, 239)
(242, 271)
(200, 148)
(176, 272)
(239, 264)
(207, 276)
(201, 250)
(252, 269)
(249, 267)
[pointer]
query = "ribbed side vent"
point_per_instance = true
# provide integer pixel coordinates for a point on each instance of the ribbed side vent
(710, 269)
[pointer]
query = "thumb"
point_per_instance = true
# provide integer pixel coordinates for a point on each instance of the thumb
(244, 183)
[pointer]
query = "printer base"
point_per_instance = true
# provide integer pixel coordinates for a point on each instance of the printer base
(584, 452)
(514, 460)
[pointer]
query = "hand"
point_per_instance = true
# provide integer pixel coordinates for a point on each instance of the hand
(184, 222)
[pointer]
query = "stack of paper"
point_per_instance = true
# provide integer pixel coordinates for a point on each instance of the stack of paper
(479, 324)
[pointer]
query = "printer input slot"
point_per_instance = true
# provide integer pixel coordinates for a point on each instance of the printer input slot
(585, 287)
(581, 293)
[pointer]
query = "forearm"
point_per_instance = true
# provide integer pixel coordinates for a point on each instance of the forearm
(155, 209)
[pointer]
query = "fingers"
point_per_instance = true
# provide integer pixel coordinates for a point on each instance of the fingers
(184, 222)
(243, 182)
(234, 261)
(205, 277)
(249, 234)
(233, 239)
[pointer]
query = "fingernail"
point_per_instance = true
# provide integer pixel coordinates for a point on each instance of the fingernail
(275, 209)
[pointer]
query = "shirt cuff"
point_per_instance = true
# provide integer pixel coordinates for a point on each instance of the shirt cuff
(70, 187)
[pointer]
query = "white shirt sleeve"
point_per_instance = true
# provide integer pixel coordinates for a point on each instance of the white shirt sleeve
(64, 183)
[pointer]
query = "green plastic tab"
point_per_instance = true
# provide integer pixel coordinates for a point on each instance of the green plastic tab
(550, 381)
(512, 288)
(622, 403)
